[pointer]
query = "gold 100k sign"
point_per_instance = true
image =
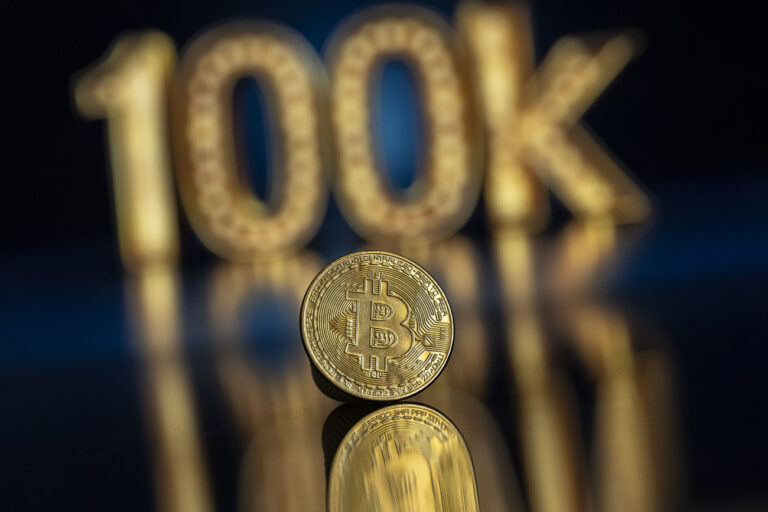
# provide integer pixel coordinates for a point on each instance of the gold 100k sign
(492, 124)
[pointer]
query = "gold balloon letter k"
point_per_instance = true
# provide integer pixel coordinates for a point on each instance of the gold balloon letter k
(531, 120)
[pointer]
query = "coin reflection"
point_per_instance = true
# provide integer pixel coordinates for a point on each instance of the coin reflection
(495, 470)
(405, 457)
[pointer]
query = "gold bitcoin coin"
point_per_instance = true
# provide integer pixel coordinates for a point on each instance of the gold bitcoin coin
(377, 326)
(406, 458)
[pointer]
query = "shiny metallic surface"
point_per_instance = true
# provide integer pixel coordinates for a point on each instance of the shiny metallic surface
(377, 325)
(402, 457)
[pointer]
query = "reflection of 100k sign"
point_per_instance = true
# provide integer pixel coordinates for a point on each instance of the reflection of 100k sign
(377, 326)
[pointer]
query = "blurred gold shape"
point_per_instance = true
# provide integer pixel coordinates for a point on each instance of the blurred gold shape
(634, 451)
(500, 51)
(534, 126)
(180, 472)
(282, 467)
(226, 214)
(377, 325)
(402, 458)
(554, 462)
(256, 387)
(445, 192)
(635, 448)
(274, 401)
(129, 87)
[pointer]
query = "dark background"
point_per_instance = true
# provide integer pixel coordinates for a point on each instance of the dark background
(688, 118)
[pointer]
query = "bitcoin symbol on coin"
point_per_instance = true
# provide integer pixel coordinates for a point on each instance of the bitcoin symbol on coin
(382, 334)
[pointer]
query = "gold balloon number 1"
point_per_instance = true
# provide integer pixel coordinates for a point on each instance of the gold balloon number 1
(148, 102)
(130, 88)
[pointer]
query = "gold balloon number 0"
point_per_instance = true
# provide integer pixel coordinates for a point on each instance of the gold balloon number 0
(223, 210)
(446, 190)
(230, 219)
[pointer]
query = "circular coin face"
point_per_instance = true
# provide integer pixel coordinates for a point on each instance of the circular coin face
(402, 457)
(377, 325)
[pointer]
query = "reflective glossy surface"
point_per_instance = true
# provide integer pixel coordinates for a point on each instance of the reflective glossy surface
(555, 398)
